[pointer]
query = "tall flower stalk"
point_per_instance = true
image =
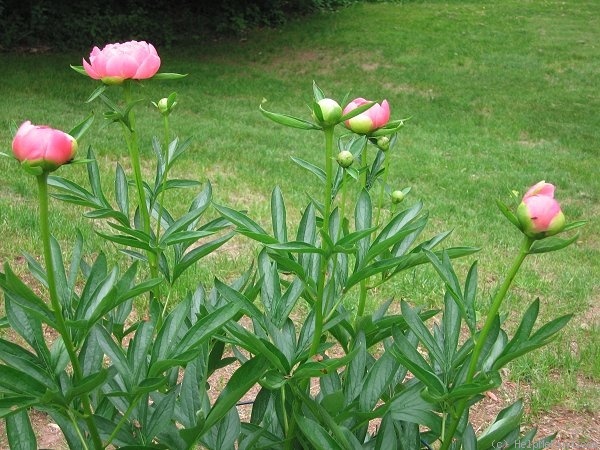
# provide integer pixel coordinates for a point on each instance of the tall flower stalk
(327, 203)
(61, 326)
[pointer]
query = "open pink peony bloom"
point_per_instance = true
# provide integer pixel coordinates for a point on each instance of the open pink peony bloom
(118, 62)
(42, 146)
(373, 118)
(539, 213)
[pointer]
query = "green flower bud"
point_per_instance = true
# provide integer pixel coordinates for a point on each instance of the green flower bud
(345, 158)
(330, 110)
(383, 143)
(163, 105)
(397, 197)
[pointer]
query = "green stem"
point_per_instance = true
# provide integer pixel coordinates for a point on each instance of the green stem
(363, 165)
(362, 299)
(132, 139)
(485, 330)
(327, 201)
(162, 199)
(164, 176)
(61, 326)
(382, 190)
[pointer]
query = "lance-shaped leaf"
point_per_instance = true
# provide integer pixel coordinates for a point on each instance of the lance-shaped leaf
(289, 121)
(240, 382)
(20, 432)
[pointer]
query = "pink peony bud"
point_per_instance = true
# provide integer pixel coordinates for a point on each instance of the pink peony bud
(373, 118)
(539, 213)
(42, 146)
(118, 62)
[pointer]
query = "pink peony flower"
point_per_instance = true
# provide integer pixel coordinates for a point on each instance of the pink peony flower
(373, 118)
(42, 146)
(118, 62)
(539, 213)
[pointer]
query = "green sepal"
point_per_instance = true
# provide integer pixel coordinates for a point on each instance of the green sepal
(505, 210)
(355, 112)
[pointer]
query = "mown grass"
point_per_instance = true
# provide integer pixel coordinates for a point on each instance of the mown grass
(500, 95)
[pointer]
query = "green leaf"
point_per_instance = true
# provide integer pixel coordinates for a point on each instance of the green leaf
(169, 76)
(363, 214)
(19, 382)
(121, 190)
(97, 92)
(409, 357)
(523, 332)
(115, 354)
(205, 328)
(390, 128)
(507, 420)
(20, 432)
(162, 415)
(15, 403)
(18, 292)
(417, 326)
(289, 121)
(88, 384)
(198, 253)
(296, 247)
(94, 179)
(228, 430)
(313, 369)
(315, 170)
(377, 381)
(410, 406)
(402, 263)
(183, 223)
(317, 92)
(25, 361)
(551, 244)
(240, 382)
(27, 325)
(79, 69)
(278, 215)
(240, 219)
(355, 112)
(381, 245)
(542, 337)
(316, 434)
(79, 130)
(508, 214)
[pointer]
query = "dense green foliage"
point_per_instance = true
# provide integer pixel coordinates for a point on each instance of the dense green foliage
(60, 24)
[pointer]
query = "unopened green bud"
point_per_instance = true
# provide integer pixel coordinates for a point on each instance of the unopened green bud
(345, 158)
(397, 197)
(330, 110)
(163, 105)
(383, 143)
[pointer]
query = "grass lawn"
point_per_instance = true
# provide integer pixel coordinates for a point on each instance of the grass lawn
(501, 95)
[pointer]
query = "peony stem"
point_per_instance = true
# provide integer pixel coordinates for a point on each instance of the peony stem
(132, 139)
(318, 305)
(362, 299)
(483, 334)
(61, 326)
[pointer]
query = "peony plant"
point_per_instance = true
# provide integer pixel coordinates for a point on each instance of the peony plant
(343, 377)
